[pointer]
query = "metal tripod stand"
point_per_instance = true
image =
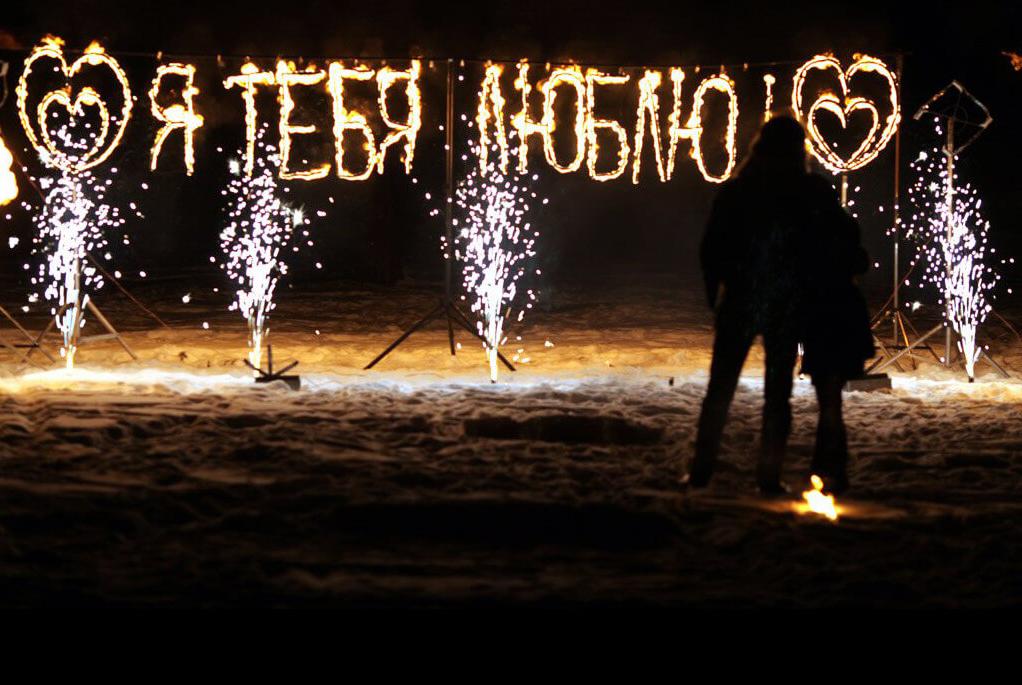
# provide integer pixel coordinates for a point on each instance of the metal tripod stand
(447, 307)
(81, 303)
(957, 360)
(903, 331)
(31, 343)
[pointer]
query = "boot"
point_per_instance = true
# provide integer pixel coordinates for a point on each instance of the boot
(700, 471)
(768, 478)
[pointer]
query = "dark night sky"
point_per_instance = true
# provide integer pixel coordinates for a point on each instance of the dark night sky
(640, 32)
(943, 41)
(636, 32)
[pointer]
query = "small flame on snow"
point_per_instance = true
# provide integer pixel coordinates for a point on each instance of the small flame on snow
(819, 503)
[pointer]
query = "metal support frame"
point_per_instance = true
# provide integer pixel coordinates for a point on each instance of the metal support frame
(446, 308)
(902, 329)
(77, 338)
(31, 342)
(952, 354)
(957, 360)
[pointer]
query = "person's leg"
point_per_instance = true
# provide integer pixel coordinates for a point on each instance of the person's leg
(781, 352)
(731, 345)
(830, 456)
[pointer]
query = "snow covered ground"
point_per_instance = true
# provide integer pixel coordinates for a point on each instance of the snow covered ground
(176, 480)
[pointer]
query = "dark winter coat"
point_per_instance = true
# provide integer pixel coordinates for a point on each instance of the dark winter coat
(780, 255)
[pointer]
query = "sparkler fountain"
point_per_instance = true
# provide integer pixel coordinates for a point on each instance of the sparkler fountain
(74, 216)
(494, 241)
(952, 241)
(260, 225)
(949, 228)
(72, 222)
(447, 308)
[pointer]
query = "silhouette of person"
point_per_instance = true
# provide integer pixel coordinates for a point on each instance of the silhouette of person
(836, 334)
(779, 258)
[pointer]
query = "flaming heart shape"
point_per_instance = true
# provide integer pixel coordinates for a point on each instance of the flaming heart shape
(880, 133)
(104, 144)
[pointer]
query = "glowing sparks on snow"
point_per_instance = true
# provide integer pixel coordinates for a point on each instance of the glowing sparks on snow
(101, 145)
(817, 502)
(131, 380)
(951, 236)
(64, 225)
(8, 182)
(259, 227)
(177, 116)
(842, 107)
(73, 221)
(494, 240)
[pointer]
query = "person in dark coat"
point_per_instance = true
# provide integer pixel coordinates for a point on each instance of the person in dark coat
(836, 334)
(779, 258)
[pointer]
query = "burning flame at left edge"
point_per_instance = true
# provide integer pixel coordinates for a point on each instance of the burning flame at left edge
(8, 183)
